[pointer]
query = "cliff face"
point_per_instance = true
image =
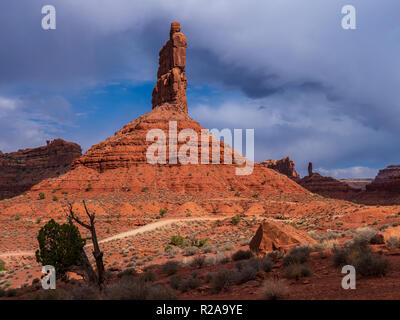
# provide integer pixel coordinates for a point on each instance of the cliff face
(387, 173)
(284, 166)
(20, 170)
(384, 189)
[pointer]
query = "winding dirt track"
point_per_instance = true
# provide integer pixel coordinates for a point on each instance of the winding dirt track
(125, 234)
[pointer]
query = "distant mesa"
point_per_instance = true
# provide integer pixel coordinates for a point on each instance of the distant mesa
(20, 170)
(328, 186)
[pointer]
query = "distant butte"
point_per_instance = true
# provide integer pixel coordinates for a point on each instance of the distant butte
(20, 170)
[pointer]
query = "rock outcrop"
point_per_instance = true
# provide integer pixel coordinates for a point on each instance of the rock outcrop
(388, 173)
(20, 170)
(327, 186)
(284, 166)
(171, 79)
(120, 162)
(310, 172)
(271, 236)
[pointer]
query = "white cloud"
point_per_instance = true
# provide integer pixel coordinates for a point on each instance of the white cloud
(352, 172)
(28, 122)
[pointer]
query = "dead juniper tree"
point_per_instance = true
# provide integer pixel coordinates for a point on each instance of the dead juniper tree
(90, 275)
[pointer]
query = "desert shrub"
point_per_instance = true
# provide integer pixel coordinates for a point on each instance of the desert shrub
(365, 234)
(359, 255)
(207, 249)
(227, 247)
(159, 292)
(296, 271)
(190, 284)
(198, 262)
(328, 244)
(264, 264)
(222, 280)
(370, 265)
(41, 196)
(190, 251)
(246, 274)
(163, 212)
(171, 267)
(316, 235)
(275, 255)
(391, 243)
(175, 282)
(11, 293)
(178, 240)
(59, 246)
(242, 255)
(137, 289)
(222, 258)
(2, 265)
(274, 289)
(148, 276)
(57, 294)
(298, 255)
(83, 293)
(130, 272)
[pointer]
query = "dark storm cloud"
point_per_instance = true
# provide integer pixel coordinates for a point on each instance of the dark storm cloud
(334, 92)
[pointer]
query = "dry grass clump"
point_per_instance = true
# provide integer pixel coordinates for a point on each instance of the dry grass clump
(274, 289)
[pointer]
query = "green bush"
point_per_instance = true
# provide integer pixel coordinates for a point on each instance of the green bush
(2, 265)
(41, 196)
(59, 246)
(236, 219)
(163, 212)
(178, 240)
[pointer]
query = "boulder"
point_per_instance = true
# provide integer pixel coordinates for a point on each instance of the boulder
(271, 236)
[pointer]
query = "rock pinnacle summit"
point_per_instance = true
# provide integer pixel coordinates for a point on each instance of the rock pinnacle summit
(171, 79)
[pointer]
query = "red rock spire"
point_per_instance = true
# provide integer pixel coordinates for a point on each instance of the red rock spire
(171, 79)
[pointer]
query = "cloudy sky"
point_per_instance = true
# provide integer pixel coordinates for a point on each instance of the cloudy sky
(310, 89)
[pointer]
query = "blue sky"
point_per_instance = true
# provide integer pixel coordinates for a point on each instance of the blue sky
(310, 89)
